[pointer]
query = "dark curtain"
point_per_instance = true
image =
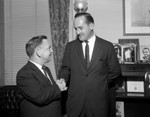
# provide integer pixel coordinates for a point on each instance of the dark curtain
(59, 21)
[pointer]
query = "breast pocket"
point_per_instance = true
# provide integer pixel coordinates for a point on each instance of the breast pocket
(102, 65)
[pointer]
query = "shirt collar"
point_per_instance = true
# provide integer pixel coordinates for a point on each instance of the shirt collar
(92, 39)
(36, 64)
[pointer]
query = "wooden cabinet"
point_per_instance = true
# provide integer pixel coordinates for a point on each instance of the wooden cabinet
(135, 69)
(136, 102)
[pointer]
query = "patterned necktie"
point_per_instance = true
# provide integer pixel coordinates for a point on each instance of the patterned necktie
(87, 57)
(46, 74)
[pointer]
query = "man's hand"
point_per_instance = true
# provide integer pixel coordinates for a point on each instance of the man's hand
(61, 84)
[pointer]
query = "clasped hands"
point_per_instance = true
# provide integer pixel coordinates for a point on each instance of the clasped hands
(61, 84)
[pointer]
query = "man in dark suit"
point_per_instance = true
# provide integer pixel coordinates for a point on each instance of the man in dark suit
(41, 94)
(90, 68)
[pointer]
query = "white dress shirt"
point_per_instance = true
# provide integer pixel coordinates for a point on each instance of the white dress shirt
(38, 65)
(91, 43)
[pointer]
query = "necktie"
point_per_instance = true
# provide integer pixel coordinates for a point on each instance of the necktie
(46, 74)
(87, 57)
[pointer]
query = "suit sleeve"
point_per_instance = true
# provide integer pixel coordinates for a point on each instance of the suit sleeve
(34, 91)
(65, 68)
(113, 64)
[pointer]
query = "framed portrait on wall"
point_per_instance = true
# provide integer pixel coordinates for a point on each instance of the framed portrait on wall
(136, 17)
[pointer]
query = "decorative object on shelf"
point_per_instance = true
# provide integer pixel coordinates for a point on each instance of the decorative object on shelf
(80, 6)
(136, 17)
(120, 109)
(130, 50)
(145, 54)
(147, 83)
(118, 50)
(122, 88)
(129, 53)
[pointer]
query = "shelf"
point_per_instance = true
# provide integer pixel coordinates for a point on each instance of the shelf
(134, 72)
(136, 104)
(135, 69)
(132, 96)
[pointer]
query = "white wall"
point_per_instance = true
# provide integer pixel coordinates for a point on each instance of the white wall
(108, 15)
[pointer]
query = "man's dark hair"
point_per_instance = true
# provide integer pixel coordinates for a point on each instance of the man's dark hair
(88, 17)
(33, 43)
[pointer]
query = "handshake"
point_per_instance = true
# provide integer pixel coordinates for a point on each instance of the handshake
(61, 84)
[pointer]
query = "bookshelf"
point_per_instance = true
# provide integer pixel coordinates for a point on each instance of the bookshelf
(135, 94)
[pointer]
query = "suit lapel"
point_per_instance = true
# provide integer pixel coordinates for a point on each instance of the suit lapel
(96, 52)
(40, 75)
(80, 53)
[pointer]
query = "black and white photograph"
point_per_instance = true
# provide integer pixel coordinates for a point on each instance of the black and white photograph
(120, 109)
(145, 54)
(118, 50)
(130, 50)
(129, 53)
(74, 58)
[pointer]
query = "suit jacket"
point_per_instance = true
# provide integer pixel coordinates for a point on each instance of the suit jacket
(40, 97)
(89, 85)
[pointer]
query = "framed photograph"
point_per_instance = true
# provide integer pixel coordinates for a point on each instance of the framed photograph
(130, 50)
(136, 17)
(145, 54)
(135, 86)
(129, 53)
(118, 48)
(120, 109)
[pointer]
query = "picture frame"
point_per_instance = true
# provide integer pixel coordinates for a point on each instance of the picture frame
(145, 54)
(135, 86)
(129, 53)
(120, 109)
(130, 50)
(136, 17)
(118, 49)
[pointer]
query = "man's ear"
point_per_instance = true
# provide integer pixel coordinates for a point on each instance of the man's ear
(91, 26)
(38, 52)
